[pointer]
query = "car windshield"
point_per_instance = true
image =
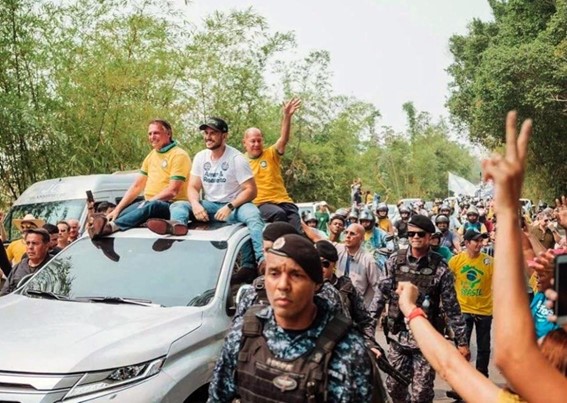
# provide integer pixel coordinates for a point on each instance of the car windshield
(51, 212)
(162, 271)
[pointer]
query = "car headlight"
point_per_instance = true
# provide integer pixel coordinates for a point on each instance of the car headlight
(94, 382)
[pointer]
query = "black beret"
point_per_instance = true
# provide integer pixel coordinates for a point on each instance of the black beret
(302, 251)
(327, 250)
(277, 229)
(422, 222)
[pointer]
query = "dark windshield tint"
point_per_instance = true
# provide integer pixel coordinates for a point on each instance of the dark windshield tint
(51, 212)
(166, 272)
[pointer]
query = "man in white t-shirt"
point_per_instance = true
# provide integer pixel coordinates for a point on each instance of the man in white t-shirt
(227, 182)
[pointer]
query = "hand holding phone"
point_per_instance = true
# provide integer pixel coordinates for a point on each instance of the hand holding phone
(560, 284)
(90, 197)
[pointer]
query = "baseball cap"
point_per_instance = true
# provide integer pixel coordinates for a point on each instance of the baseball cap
(302, 251)
(473, 234)
(215, 123)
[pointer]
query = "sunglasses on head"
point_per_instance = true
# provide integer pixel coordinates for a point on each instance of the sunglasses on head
(420, 234)
(325, 263)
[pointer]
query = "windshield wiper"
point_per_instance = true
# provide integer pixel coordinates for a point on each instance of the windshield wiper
(121, 300)
(47, 294)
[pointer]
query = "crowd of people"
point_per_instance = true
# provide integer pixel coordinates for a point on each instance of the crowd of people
(324, 284)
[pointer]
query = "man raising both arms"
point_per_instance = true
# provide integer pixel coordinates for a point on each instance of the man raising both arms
(272, 199)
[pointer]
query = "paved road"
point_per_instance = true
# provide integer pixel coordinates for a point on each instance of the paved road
(441, 387)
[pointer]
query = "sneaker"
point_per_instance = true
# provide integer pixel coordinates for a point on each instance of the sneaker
(166, 227)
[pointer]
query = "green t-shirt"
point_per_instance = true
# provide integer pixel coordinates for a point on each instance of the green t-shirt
(322, 220)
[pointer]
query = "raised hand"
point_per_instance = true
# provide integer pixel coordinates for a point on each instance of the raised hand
(291, 106)
(507, 171)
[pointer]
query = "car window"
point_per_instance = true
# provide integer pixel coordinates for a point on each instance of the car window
(164, 271)
(51, 212)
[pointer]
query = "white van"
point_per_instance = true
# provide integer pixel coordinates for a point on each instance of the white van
(53, 200)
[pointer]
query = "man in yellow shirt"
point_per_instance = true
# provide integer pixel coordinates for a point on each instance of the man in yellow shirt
(272, 199)
(163, 179)
(473, 283)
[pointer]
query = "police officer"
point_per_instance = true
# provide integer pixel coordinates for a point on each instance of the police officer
(427, 270)
(350, 298)
(294, 350)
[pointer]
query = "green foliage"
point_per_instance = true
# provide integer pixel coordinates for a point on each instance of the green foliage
(517, 62)
(80, 79)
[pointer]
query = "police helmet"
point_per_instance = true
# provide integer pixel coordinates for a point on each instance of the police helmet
(382, 207)
(441, 219)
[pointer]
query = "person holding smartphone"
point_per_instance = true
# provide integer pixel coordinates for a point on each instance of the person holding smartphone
(516, 351)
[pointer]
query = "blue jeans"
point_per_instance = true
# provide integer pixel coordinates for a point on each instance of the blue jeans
(483, 323)
(248, 214)
(138, 213)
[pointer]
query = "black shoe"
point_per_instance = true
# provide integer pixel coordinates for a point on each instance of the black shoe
(454, 395)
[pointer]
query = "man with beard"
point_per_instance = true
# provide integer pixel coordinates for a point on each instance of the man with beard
(223, 174)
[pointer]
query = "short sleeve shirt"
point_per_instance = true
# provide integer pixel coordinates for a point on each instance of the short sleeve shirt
(268, 176)
(473, 282)
(221, 178)
(162, 167)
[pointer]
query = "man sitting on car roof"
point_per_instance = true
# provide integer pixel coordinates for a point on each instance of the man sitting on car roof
(162, 178)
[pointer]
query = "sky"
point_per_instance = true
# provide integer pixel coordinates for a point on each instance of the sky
(386, 52)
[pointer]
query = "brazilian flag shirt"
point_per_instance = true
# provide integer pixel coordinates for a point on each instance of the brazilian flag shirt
(473, 282)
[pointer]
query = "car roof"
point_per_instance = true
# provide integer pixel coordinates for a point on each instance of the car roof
(216, 231)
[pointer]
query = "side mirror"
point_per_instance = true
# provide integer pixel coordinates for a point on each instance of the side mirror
(24, 280)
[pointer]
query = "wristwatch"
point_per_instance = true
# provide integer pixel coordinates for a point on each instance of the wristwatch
(230, 206)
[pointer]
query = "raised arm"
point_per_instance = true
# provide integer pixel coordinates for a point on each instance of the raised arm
(516, 352)
(443, 356)
(288, 110)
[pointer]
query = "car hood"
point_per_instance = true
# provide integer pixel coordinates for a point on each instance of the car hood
(45, 336)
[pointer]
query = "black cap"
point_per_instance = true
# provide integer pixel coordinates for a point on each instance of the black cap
(302, 251)
(327, 250)
(473, 234)
(422, 222)
(277, 229)
(215, 123)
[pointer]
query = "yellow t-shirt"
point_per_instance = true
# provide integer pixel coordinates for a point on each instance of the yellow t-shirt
(385, 224)
(532, 282)
(473, 282)
(268, 177)
(505, 396)
(161, 167)
(15, 250)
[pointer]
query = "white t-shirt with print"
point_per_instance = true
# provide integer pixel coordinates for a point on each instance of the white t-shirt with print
(222, 178)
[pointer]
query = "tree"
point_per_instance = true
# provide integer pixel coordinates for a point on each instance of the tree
(519, 61)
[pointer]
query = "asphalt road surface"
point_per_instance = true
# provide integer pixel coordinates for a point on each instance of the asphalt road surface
(441, 387)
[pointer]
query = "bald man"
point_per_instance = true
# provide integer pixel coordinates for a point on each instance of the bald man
(272, 198)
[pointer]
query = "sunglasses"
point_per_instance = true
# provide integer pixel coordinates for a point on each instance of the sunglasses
(325, 263)
(420, 234)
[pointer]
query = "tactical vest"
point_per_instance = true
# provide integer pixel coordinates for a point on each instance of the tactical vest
(346, 288)
(426, 280)
(261, 294)
(263, 378)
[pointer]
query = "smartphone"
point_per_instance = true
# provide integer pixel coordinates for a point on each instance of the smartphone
(561, 289)
(90, 197)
